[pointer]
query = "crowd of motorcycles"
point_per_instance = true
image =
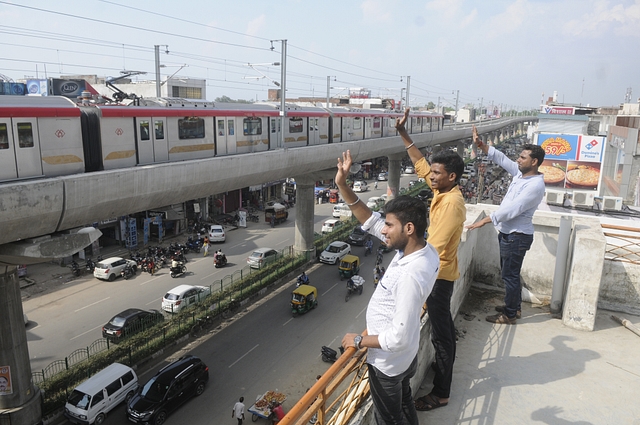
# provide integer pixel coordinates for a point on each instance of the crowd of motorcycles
(173, 256)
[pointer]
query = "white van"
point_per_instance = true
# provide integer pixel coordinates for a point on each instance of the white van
(91, 401)
(360, 186)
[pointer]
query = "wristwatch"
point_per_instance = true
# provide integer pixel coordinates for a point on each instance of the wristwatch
(356, 341)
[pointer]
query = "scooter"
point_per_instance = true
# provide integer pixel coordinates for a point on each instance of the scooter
(178, 270)
(330, 355)
(302, 280)
(220, 260)
(91, 265)
(354, 284)
(128, 272)
(75, 269)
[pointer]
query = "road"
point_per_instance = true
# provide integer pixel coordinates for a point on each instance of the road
(261, 351)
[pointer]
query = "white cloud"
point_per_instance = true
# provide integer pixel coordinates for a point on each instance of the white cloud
(605, 16)
(510, 20)
(256, 25)
(445, 9)
(376, 11)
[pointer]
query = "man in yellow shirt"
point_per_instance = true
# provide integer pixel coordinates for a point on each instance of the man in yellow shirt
(447, 216)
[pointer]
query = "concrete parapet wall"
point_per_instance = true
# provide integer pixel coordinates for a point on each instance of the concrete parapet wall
(620, 289)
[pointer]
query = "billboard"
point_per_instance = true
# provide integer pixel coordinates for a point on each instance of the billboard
(37, 87)
(572, 161)
(558, 110)
(67, 88)
(16, 89)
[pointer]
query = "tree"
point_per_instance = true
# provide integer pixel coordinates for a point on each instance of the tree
(227, 99)
(431, 105)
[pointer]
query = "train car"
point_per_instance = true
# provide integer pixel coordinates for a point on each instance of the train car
(39, 136)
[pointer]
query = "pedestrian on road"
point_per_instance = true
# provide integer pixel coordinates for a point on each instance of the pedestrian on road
(375, 185)
(514, 221)
(238, 411)
(447, 216)
(393, 313)
(205, 245)
(272, 220)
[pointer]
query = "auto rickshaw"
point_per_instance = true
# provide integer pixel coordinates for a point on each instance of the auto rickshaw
(349, 266)
(334, 196)
(303, 299)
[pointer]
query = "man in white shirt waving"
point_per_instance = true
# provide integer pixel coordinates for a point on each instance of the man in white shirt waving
(393, 313)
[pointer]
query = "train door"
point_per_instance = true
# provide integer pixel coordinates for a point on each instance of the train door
(160, 142)
(226, 136)
(145, 145)
(314, 134)
(367, 127)
(8, 168)
(274, 132)
(28, 157)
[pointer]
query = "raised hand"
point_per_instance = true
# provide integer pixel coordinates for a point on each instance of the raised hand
(344, 168)
(400, 122)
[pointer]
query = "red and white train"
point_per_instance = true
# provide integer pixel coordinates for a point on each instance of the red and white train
(53, 136)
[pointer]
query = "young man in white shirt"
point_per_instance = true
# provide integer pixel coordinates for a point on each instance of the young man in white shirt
(393, 313)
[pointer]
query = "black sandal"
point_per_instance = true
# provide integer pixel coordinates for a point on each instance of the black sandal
(428, 402)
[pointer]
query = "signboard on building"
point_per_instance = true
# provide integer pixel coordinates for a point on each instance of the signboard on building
(558, 110)
(37, 87)
(572, 161)
(67, 88)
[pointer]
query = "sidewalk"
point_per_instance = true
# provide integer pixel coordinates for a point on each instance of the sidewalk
(539, 371)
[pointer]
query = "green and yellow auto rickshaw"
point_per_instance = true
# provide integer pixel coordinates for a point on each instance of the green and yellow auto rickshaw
(349, 266)
(303, 299)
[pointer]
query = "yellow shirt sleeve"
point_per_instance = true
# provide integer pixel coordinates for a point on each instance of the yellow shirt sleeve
(423, 169)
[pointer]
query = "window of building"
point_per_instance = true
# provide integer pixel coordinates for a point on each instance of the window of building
(252, 126)
(4, 137)
(25, 135)
(144, 130)
(159, 128)
(191, 128)
(187, 92)
(295, 125)
(357, 123)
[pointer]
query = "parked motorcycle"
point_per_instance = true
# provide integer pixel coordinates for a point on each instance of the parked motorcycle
(330, 355)
(253, 217)
(219, 260)
(128, 272)
(75, 269)
(354, 284)
(193, 245)
(91, 265)
(177, 269)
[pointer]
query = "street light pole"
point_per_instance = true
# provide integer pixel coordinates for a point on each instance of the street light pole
(283, 88)
(157, 51)
(408, 87)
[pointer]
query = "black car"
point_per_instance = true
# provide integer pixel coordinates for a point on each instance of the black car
(358, 236)
(425, 194)
(172, 386)
(129, 322)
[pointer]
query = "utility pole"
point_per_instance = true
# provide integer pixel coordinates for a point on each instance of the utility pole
(157, 51)
(480, 112)
(283, 88)
(408, 88)
(457, 97)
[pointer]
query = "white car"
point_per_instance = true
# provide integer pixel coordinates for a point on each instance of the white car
(110, 268)
(183, 296)
(375, 201)
(337, 210)
(383, 177)
(329, 225)
(334, 252)
(360, 186)
(409, 170)
(216, 233)
(261, 257)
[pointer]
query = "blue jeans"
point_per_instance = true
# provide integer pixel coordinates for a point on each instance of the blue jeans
(513, 247)
(392, 397)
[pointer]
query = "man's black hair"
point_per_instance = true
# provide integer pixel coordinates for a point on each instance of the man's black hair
(409, 210)
(536, 152)
(451, 161)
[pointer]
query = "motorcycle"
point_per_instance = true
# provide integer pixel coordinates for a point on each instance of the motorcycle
(75, 269)
(178, 269)
(330, 355)
(368, 249)
(253, 217)
(193, 245)
(128, 272)
(354, 284)
(303, 279)
(220, 260)
(91, 265)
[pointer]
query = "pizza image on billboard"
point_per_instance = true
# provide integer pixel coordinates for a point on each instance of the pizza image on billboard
(554, 172)
(583, 174)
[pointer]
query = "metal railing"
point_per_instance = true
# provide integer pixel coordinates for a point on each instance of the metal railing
(623, 243)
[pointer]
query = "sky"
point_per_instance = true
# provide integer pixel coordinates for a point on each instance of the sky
(513, 53)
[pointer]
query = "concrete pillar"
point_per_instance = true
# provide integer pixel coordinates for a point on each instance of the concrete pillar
(20, 401)
(460, 147)
(395, 169)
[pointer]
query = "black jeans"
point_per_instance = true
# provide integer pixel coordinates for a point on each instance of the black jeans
(443, 336)
(513, 247)
(392, 397)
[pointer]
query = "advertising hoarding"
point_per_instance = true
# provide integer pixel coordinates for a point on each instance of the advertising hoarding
(572, 161)
(67, 88)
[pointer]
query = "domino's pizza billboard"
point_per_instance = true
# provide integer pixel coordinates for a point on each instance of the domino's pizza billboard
(572, 161)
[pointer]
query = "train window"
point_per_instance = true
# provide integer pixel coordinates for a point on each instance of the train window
(252, 126)
(230, 127)
(357, 123)
(295, 125)
(273, 125)
(191, 128)
(220, 127)
(159, 129)
(4, 137)
(376, 122)
(25, 135)
(144, 130)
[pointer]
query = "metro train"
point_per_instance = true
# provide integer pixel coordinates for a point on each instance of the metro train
(53, 136)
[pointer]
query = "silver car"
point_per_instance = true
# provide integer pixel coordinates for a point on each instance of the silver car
(110, 268)
(334, 252)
